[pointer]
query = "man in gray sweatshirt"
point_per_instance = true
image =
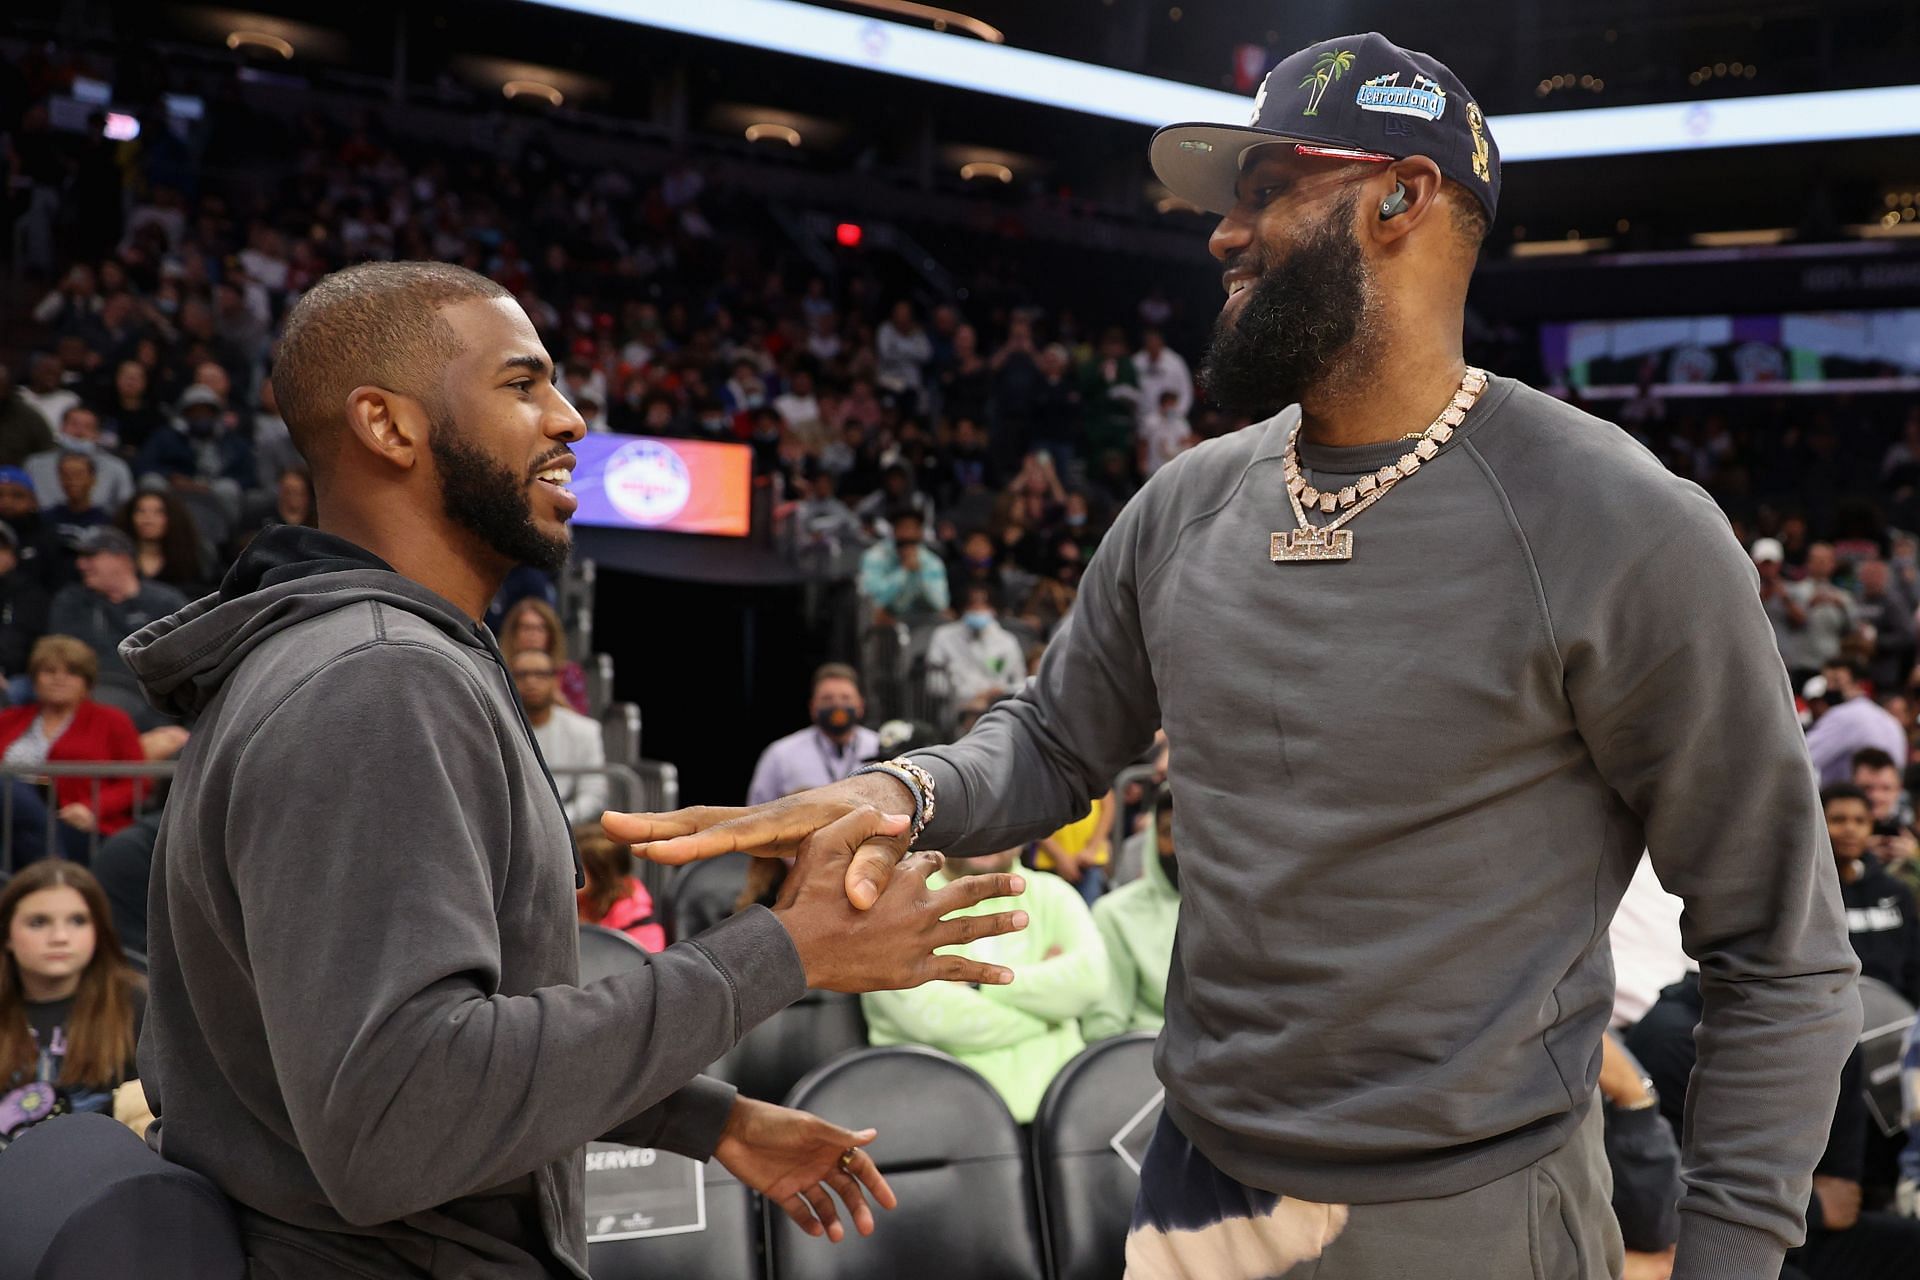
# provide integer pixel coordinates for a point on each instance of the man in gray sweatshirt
(365, 1023)
(1438, 655)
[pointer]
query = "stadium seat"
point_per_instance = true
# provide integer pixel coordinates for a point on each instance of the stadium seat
(773, 1056)
(952, 1154)
(598, 668)
(81, 1198)
(728, 1249)
(605, 952)
(1086, 1190)
(703, 894)
(620, 733)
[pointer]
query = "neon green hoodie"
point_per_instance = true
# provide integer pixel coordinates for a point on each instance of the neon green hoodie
(1017, 1036)
(1136, 922)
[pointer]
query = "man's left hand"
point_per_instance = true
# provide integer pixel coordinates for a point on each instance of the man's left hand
(791, 1158)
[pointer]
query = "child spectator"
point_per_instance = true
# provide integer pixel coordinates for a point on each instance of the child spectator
(613, 897)
(1881, 918)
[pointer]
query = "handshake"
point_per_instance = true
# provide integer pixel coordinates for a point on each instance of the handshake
(859, 908)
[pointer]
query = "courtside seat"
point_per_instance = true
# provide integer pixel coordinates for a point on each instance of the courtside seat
(82, 1198)
(703, 894)
(1086, 1190)
(605, 952)
(773, 1056)
(953, 1155)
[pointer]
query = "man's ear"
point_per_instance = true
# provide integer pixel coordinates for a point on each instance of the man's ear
(390, 425)
(1420, 199)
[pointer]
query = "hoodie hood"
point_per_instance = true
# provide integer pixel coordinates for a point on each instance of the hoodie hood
(1152, 873)
(289, 574)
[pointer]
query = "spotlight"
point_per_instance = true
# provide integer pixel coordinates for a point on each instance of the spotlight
(985, 169)
(778, 132)
(259, 40)
(533, 89)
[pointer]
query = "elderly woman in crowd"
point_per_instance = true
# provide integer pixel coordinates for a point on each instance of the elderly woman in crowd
(63, 725)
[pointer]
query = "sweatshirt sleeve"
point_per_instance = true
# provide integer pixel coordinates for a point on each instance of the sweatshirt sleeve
(1112, 1013)
(1066, 985)
(408, 1079)
(1678, 690)
(1036, 761)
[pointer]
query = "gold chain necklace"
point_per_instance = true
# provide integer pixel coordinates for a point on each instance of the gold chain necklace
(1333, 542)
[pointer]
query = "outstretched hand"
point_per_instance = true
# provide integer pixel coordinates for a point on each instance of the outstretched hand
(793, 1158)
(778, 829)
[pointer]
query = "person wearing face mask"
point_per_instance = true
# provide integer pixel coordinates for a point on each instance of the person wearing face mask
(975, 655)
(829, 749)
(80, 433)
(198, 455)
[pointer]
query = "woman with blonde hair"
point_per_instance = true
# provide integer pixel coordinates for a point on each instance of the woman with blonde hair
(533, 624)
(63, 725)
(70, 1005)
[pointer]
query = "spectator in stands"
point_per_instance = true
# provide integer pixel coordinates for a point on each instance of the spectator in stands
(822, 524)
(901, 579)
(1164, 434)
(20, 510)
(613, 897)
(167, 544)
(1893, 843)
(1882, 920)
(896, 493)
(1159, 369)
(1136, 922)
(46, 390)
(1059, 427)
(129, 416)
(66, 523)
(23, 431)
(1644, 1159)
(108, 604)
(829, 749)
(966, 380)
(1846, 1241)
(1017, 1036)
(1829, 607)
(1110, 400)
(23, 613)
(975, 655)
(568, 740)
(534, 624)
(903, 352)
(198, 453)
(1644, 935)
(1080, 851)
(80, 434)
(1853, 721)
(274, 453)
(63, 725)
(1888, 606)
(70, 1006)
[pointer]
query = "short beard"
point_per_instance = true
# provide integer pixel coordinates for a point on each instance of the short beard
(491, 502)
(1311, 316)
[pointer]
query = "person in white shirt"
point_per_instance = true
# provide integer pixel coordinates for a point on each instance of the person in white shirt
(904, 350)
(45, 391)
(976, 654)
(828, 750)
(1159, 368)
(79, 432)
(1647, 954)
(1164, 434)
(568, 740)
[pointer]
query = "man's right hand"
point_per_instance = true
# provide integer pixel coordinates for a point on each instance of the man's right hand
(891, 946)
(778, 830)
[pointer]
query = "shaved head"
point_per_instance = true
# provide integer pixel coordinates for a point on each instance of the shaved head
(376, 324)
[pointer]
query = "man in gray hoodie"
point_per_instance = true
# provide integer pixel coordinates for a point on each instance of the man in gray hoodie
(1439, 655)
(365, 1021)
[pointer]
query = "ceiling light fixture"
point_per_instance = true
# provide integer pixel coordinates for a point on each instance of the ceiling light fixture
(778, 132)
(985, 169)
(533, 89)
(259, 40)
(942, 19)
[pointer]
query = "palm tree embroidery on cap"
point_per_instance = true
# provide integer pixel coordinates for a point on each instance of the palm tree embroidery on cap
(1327, 68)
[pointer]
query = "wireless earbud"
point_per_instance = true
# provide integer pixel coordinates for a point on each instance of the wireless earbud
(1396, 204)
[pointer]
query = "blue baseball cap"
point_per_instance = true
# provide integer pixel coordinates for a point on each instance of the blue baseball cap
(1353, 98)
(16, 475)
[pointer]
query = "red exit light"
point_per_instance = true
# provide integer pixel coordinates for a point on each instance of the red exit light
(848, 234)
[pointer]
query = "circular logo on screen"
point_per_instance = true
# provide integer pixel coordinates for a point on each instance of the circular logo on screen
(648, 483)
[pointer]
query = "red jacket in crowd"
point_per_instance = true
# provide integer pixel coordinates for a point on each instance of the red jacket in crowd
(96, 733)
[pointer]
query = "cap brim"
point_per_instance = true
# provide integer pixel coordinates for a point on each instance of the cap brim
(1200, 163)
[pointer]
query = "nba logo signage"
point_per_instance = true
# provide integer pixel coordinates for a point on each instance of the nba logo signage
(648, 482)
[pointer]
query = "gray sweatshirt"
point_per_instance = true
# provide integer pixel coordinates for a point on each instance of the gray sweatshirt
(365, 1024)
(1412, 789)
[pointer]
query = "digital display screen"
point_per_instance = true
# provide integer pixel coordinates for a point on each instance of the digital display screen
(664, 486)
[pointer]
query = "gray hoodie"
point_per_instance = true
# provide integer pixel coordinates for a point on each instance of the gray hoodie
(1412, 789)
(365, 1024)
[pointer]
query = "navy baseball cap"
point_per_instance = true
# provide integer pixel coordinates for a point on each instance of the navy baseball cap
(1354, 98)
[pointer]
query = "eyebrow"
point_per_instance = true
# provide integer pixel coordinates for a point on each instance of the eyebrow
(533, 364)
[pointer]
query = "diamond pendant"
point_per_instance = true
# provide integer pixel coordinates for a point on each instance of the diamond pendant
(1312, 544)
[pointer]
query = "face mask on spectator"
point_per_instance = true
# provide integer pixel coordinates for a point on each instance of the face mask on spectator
(834, 720)
(1075, 519)
(979, 620)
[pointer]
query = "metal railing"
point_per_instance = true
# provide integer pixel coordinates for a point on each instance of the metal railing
(145, 798)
